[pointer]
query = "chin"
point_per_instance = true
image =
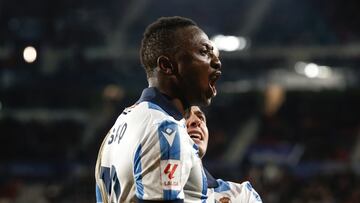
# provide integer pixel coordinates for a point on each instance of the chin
(204, 103)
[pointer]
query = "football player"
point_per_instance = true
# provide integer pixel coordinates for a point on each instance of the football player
(218, 190)
(147, 156)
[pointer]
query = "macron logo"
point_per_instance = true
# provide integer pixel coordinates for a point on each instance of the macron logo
(170, 170)
(169, 134)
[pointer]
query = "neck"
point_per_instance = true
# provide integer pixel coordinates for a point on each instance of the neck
(153, 82)
(172, 95)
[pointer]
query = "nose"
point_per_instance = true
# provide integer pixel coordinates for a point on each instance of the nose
(193, 121)
(215, 62)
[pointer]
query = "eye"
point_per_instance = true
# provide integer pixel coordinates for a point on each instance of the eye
(204, 52)
(202, 118)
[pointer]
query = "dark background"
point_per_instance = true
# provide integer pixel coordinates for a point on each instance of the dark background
(295, 137)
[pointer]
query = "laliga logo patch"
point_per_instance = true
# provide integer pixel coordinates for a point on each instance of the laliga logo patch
(170, 169)
(170, 174)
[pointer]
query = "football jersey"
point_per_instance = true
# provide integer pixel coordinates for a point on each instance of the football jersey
(148, 155)
(220, 191)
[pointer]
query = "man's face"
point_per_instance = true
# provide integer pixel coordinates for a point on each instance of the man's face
(198, 66)
(197, 129)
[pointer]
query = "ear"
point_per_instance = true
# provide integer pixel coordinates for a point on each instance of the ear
(165, 65)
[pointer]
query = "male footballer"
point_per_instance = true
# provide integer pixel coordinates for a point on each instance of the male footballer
(147, 156)
(218, 190)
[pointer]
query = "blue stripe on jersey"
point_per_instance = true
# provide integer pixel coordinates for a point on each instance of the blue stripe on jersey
(249, 186)
(204, 187)
(196, 147)
(153, 95)
(169, 140)
(223, 186)
(170, 194)
(98, 194)
(137, 173)
(156, 107)
(105, 176)
(115, 181)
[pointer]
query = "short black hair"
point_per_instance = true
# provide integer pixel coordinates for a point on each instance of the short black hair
(159, 39)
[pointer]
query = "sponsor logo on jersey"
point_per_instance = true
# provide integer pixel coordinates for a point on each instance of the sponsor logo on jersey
(170, 174)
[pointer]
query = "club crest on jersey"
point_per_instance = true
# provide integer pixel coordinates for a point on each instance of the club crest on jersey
(170, 174)
(225, 200)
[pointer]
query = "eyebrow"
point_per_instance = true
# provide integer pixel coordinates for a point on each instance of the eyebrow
(211, 48)
(208, 46)
(199, 112)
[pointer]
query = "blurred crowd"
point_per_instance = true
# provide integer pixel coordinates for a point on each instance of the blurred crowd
(302, 148)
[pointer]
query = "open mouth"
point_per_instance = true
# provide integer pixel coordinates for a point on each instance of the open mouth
(195, 136)
(212, 81)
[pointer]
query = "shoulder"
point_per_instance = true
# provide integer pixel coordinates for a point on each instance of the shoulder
(143, 111)
(146, 108)
(158, 115)
(238, 192)
(154, 120)
(248, 192)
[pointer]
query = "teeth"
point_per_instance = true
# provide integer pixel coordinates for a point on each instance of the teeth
(194, 136)
(214, 78)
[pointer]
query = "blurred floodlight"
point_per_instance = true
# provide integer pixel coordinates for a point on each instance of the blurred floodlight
(242, 43)
(229, 43)
(324, 72)
(300, 67)
(29, 54)
(311, 70)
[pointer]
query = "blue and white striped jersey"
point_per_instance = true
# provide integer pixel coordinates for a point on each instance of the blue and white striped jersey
(220, 191)
(148, 155)
(233, 192)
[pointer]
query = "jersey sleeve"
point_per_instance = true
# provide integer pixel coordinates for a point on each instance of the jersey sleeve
(161, 164)
(233, 192)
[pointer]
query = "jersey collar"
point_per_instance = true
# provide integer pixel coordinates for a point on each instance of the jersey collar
(153, 95)
(211, 181)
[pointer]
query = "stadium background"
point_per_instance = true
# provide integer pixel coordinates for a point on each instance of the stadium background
(286, 118)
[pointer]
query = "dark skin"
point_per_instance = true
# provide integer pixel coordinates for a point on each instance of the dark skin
(189, 75)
